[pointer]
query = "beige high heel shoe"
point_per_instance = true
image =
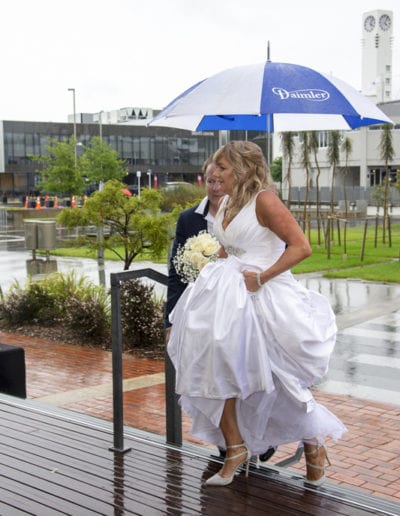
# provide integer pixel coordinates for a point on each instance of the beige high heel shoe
(218, 480)
(315, 453)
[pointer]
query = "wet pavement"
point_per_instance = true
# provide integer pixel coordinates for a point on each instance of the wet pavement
(366, 360)
(362, 386)
(16, 264)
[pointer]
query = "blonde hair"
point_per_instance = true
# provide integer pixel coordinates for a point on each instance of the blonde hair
(250, 173)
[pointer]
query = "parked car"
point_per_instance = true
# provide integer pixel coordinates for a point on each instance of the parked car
(173, 185)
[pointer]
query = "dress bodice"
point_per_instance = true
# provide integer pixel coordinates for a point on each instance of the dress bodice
(246, 238)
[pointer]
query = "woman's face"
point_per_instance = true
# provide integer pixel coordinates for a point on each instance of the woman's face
(225, 174)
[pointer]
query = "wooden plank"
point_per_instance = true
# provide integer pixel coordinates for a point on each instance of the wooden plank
(16, 505)
(59, 462)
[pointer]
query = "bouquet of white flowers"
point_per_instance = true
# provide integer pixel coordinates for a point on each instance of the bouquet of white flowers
(194, 255)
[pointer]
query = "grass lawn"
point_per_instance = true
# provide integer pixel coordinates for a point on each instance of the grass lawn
(380, 262)
(85, 252)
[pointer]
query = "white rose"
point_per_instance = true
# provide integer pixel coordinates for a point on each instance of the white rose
(210, 247)
(196, 259)
(197, 247)
(202, 262)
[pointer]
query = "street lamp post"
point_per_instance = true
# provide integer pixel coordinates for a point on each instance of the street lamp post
(100, 249)
(100, 229)
(100, 125)
(138, 175)
(74, 110)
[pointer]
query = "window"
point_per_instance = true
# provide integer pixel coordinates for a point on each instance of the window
(323, 139)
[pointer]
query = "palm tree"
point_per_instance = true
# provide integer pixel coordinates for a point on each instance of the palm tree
(314, 148)
(387, 154)
(347, 148)
(333, 158)
(287, 140)
(305, 161)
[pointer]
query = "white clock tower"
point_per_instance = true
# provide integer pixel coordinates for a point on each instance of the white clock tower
(377, 30)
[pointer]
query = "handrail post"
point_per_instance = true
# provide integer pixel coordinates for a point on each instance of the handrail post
(173, 410)
(172, 407)
(116, 339)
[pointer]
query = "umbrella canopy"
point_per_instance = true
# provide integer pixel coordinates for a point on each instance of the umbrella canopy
(270, 97)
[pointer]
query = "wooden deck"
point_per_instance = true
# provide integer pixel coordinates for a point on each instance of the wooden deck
(55, 461)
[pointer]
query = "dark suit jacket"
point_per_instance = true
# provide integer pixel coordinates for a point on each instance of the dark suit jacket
(189, 224)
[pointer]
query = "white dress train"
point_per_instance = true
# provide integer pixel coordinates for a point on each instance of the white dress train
(266, 349)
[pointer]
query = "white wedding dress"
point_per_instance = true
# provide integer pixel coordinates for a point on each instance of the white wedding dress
(266, 349)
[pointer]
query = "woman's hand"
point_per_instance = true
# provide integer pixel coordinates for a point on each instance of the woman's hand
(252, 280)
(222, 253)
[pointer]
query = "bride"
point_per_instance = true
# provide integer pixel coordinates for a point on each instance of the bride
(248, 340)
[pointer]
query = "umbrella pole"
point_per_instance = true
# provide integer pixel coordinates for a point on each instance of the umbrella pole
(268, 140)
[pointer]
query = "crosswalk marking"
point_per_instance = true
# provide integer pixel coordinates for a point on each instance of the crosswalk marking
(360, 391)
(377, 360)
(375, 334)
(363, 385)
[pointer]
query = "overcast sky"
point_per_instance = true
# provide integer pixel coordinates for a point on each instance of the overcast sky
(120, 53)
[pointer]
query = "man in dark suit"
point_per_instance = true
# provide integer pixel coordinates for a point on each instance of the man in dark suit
(190, 223)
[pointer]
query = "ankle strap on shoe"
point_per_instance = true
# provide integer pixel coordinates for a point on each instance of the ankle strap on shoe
(233, 446)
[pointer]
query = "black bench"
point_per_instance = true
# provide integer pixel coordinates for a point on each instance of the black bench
(12, 371)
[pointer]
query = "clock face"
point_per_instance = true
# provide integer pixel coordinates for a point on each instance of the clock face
(385, 22)
(369, 23)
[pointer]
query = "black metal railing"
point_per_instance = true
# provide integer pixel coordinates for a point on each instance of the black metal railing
(173, 412)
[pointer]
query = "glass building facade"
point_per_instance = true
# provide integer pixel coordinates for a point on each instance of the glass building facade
(172, 154)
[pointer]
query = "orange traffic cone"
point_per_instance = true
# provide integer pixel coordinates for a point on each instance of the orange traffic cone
(38, 203)
(56, 202)
(26, 205)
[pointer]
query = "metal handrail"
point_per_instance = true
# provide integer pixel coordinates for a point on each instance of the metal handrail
(173, 411)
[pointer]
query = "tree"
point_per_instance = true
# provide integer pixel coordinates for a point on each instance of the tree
(333, 158)
(314, 148)
(276, 169)
(305, 161)
(347, 148)
(387, 154)
(131, 223)
(288, 150)
(61, 172)
(100, 162)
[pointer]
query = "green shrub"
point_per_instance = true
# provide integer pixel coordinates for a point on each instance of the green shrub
(142, 317)
(76, 303)
(31, 304)
(87, 317)
(83, 309)
(182, 196)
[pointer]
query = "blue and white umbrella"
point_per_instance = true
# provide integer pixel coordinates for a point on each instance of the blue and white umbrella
(272, 97)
